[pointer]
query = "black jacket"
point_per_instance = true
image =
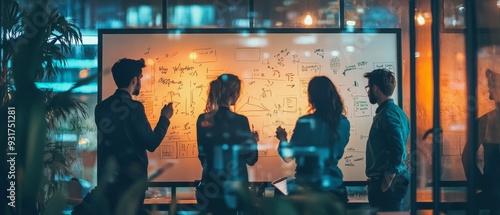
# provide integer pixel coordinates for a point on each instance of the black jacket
(216, 142)
(125, 134)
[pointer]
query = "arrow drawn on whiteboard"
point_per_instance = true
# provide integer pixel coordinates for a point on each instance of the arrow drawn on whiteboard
(349, 68)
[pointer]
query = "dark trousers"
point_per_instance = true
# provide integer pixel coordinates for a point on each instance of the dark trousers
(337, 199)
(121, 196)
(490, 198)
(392, 198)
(213, 202)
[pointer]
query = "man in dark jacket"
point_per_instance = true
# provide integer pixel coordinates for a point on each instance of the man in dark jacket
(124, 135)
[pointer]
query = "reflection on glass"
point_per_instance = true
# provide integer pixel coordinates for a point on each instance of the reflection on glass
(192, 15)
(372, 14)
(454, 14)
(297, 14)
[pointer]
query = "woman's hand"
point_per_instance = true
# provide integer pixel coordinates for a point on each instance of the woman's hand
(281, 134)
(255, 136)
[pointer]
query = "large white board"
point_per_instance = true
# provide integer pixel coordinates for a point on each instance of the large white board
(275, 68)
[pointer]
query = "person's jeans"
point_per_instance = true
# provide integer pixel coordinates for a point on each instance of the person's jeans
(392, 198)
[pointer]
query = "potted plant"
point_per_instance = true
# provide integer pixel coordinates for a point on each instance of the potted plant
(33, 46)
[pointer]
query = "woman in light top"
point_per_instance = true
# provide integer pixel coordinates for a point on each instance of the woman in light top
(318, 140)
(226, 146)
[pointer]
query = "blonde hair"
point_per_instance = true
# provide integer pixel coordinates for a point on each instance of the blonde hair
(222, 90)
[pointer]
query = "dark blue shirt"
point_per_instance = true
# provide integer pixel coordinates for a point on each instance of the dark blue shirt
(386, 147)
(317, 151)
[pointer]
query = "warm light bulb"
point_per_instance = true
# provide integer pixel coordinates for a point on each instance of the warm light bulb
(420, 19)
(193, 56)
(83, 73)
(308, 20)
(83, 141)
(150, 62)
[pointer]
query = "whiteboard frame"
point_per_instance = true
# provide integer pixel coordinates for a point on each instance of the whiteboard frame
(395, 31)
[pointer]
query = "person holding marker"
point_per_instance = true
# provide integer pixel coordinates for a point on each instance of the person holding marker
(124, 135)
(318, 140)
(226, 145)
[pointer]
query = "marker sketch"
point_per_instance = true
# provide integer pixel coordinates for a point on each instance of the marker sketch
(204, 55)
(247, 54)
(168, 151)
(250, 104)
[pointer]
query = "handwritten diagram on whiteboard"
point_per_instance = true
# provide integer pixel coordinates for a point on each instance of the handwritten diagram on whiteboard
(275, 69)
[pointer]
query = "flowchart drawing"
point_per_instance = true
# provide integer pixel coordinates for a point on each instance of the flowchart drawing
(148, 106)
(188, 149)
(204, 55)
(352, 158)
(212, 74)
(309, 70)
(290, 104)
(171, 97)
(304, 83)
(247, 54)
(387, 65)
(168, 151)
(362, 107)
(251, 104)
(335, 63)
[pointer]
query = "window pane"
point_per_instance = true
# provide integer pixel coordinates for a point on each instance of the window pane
(207, 14)
(373, 13)
(454, 14)
(488, 13)
(297, 14)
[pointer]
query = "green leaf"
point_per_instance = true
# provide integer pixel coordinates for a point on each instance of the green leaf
(83, 82)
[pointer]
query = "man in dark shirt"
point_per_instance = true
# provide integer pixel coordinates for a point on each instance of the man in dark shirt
(386, 147)
(124, 135)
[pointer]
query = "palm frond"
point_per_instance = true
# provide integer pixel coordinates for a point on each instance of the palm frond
(11, 14)
(82, 82)
(62, 106)
(56, 165)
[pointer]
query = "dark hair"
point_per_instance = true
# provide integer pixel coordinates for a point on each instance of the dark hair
(124, 70)
(325, 101)
(493, 79)
(491, 75)
(222, 89)
(383, 78)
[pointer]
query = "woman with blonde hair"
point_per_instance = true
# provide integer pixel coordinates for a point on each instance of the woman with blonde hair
(226, 146)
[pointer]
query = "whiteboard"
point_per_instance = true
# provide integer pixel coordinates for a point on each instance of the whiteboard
(275, 66)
